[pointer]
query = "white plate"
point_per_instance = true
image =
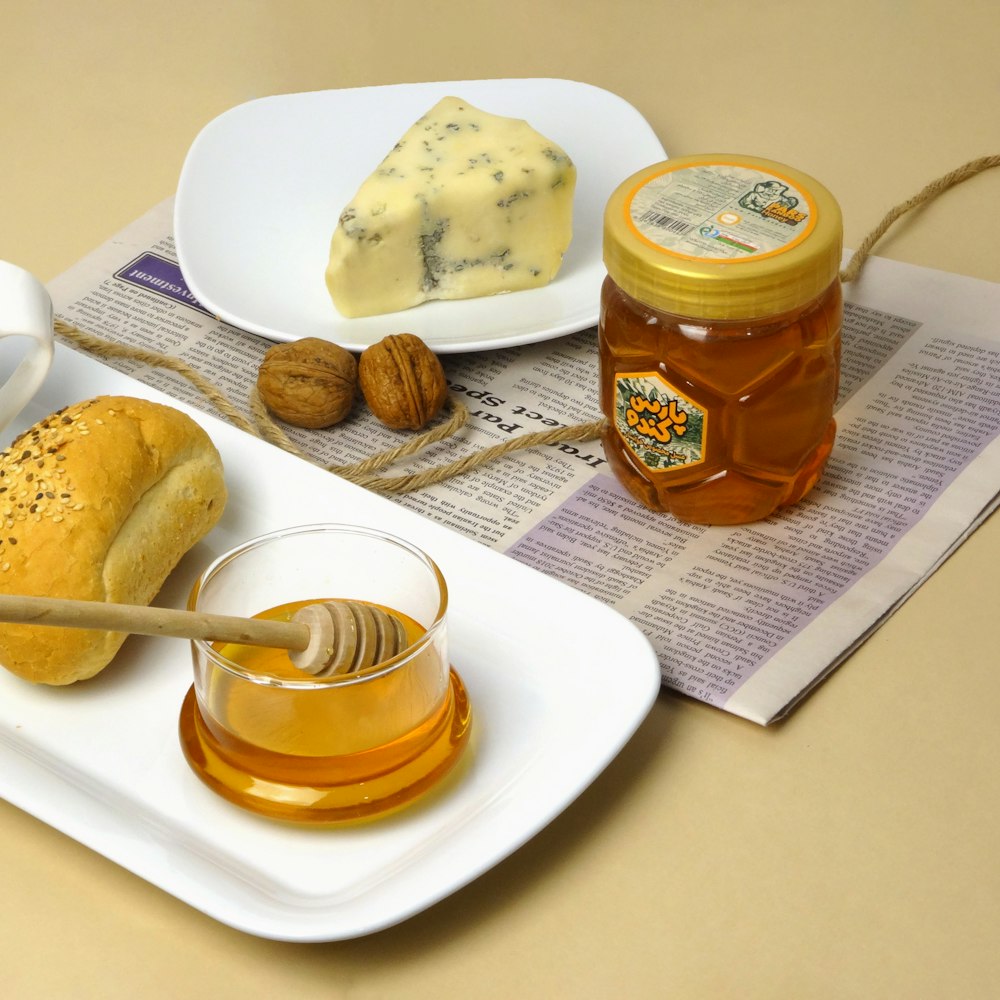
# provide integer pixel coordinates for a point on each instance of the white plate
(264, 183)
(558, 683)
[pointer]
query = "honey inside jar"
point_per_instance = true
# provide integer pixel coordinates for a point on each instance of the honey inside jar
(719, 336)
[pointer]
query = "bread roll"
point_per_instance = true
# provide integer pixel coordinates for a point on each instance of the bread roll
(99, 502)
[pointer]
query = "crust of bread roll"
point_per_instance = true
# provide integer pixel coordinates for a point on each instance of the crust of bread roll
(99, 502)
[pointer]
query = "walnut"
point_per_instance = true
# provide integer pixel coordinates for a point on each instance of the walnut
(402, 381)
(309, 382)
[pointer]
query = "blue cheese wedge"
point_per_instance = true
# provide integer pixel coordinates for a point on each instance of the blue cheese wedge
(466, 204)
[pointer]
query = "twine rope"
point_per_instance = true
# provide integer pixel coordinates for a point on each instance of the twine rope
(365, 472)
(922, 197)
(112, 349)
(362, 472)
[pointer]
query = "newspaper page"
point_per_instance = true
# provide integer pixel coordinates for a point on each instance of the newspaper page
(748, 618)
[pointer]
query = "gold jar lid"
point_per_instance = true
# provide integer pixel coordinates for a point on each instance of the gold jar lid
(722, 237)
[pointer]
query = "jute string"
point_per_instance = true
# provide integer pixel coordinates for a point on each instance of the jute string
(922, 197)
(365, 472)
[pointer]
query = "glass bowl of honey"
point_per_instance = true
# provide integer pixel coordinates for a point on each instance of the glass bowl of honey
(290, 745)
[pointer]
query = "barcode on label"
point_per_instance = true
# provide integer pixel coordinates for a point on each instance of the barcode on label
(665, 222)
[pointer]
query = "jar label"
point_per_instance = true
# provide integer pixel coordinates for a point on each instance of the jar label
(660, 425)
(720, 212)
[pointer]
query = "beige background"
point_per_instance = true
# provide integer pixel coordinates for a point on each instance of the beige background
(850, 851)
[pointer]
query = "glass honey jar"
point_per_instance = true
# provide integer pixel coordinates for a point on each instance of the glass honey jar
(719, 335)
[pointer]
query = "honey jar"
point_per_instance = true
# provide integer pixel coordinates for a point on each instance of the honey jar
(719, 335)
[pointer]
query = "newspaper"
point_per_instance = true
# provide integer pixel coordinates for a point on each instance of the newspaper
(747, 619)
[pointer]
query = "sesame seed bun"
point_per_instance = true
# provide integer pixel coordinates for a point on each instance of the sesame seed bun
(98, 502)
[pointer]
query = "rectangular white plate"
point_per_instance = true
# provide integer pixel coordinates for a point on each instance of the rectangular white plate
(558, 684)
(263, 185)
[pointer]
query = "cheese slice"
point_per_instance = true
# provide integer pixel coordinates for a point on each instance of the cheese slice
(466, 204)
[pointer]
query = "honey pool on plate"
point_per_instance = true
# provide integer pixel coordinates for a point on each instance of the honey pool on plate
(277, 741)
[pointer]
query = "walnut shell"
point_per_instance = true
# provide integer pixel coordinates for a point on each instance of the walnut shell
(309, 382)
(402, 381)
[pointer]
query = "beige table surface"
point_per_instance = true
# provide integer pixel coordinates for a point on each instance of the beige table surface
(851, 851)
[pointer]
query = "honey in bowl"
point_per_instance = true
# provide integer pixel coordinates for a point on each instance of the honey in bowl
(281, 742)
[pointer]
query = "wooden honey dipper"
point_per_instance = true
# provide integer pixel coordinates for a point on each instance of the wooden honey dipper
(335, 637)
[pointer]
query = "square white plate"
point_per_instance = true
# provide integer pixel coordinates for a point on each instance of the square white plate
(263, 185)
(558, 684)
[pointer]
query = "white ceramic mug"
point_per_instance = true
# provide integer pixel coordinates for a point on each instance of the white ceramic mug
(25, 314)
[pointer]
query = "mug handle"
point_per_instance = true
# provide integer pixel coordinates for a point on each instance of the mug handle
(25, 312)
